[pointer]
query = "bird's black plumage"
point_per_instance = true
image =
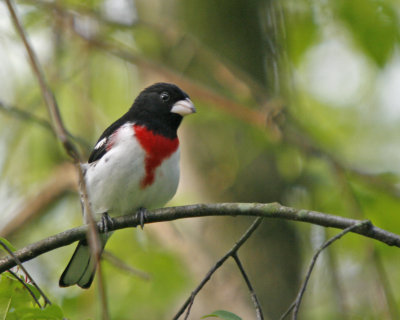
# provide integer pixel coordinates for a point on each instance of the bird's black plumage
(151, 109)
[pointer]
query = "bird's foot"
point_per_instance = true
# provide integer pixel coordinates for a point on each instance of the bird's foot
(106, 223)
(141, 214)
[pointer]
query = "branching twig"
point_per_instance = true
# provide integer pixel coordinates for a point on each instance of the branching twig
(296, 304)
(267, 210)
(253, 295)
(18, 262)
(189, 302)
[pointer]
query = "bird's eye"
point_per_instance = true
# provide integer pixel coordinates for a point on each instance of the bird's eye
(164, 96)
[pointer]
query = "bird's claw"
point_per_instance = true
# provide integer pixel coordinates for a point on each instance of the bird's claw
(106, 223)
(141, 214)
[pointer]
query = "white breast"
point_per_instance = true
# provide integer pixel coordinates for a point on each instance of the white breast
(113, 182)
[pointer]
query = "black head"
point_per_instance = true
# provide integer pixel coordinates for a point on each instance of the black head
(161, 108)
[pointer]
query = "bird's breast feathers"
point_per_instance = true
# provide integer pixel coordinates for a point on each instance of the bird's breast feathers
(139, 169)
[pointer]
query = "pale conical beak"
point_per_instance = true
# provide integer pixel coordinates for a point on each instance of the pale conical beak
(183, 107)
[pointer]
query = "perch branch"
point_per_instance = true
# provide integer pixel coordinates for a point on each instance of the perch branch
(267, 210)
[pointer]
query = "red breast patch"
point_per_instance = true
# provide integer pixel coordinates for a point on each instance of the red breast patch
(157, 147)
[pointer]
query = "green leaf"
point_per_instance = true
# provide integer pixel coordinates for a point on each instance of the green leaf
(222, 314)
(303, 30)
(8, 244)
(16, 303)
(52, 312)
(373, 25)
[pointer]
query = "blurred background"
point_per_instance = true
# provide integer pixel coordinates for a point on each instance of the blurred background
(298, 102)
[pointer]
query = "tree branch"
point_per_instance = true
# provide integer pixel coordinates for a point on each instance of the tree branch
(268, 210)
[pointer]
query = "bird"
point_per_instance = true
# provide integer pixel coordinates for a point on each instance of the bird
(134, 166)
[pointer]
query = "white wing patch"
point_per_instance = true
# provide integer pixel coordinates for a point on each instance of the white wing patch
(100, 143)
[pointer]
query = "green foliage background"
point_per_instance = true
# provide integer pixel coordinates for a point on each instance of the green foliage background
(323, 73)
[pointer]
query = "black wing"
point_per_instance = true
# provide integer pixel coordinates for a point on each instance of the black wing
(100, 148)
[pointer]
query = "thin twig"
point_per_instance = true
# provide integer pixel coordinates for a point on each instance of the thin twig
(287, 312)
(19, 263)
(253, 295)
(338, 292)
(386, 285)
(26, 287)
(266, 210)
(27, 116)
(47, 94)
(189, 302)
(62, 135)
(30, 117)
(296, 304)
(358, 211)
(117, 262)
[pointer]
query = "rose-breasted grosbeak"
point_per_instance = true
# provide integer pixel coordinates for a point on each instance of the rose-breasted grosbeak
(135, 164)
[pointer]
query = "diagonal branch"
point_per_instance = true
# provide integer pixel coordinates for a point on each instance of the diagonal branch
(267, 210)
(253, 295)
(62, 135)
(295, 306)
(231, 253)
